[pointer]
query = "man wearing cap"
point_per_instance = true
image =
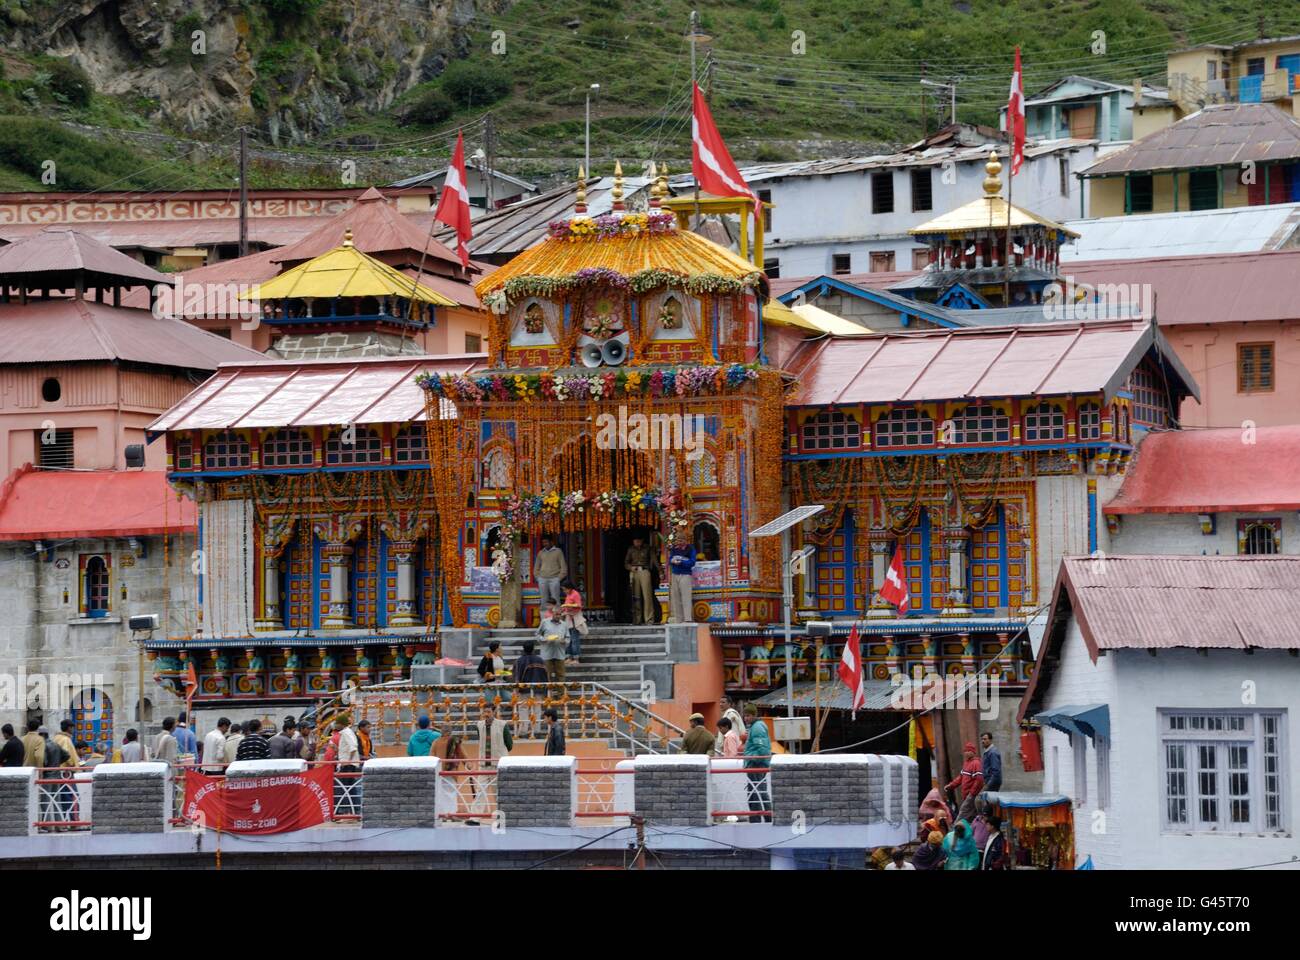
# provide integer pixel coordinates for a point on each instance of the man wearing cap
(970, 781)
(697, 738)
(421, 742)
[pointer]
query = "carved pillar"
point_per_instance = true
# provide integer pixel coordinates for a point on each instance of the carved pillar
(930, 654)
(338, 534)
(275, 538)
(880, 560)
(893, 654)
(957, 542)
(967, 652)
(403, 553)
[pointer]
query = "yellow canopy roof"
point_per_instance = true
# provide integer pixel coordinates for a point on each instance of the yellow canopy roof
(345, 272)
(677, 250)
(983, 214)
(827, 322)
(774, 311)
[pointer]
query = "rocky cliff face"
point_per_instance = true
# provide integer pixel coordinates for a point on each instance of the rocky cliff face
(290, 66)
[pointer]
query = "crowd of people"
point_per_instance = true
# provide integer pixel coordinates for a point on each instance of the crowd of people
(737, 738)
(974, 841)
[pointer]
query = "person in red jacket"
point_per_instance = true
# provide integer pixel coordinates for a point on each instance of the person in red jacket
(970, 781)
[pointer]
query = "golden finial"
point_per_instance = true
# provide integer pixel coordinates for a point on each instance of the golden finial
(654, 184)
(993, 183)
(347, 237)
(580, 206)
(618, 186)
(662, 183)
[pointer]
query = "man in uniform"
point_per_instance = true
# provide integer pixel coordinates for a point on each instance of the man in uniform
(639, 561)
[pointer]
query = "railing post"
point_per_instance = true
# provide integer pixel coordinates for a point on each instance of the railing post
(400, 792)
(538, 791)
(18, 793)
(132, 797)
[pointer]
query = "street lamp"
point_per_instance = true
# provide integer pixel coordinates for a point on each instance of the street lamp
(587, 152)
(139, 625)
(800, 558)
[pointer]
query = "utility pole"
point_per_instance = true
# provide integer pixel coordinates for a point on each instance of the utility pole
(488, 147)
(243, 191)
(925, 121)
(586, 153)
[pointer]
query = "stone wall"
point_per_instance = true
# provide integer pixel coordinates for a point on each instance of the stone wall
(538, 791)
(17, 801)
(830, 788)
(132, 797)
(673, 790)
(400, 792)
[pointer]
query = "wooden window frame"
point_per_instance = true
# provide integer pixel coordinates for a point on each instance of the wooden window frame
(1272, 367)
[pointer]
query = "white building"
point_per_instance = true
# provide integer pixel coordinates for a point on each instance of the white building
(1164, 687)
(505, 188)
(851, 215)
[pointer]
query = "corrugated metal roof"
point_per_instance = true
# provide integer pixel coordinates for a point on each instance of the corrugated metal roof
(278, 393)
(166, 234)
(1213, 289)
(1186, 233)
(46, 505)
(60, 331)
(957, 364)
(60, 250)
(1226, 134)
(1153, 602)
(834, 695)
(1213, 471)
(872, 281)
(985, 213)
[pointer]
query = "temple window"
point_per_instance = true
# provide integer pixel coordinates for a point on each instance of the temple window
(411, 445)
(1046, 421)
(288, 448)
(496, 470)
(908, 427)
(981, 423)
(534, 319)
(184, 458)
(226, 451)
(832, 430)
(703, 471)
(94, 586)
(366, 447)
(1259, 537)
(1149, 404)
(1089, 421)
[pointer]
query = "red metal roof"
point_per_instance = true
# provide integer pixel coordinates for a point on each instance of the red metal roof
(59, 250)
(981, 362)
(1221, 288)
(166, 234)
(63, 331)
(279, 393)
(1167, 602)
(1213, 471)
(50, 505)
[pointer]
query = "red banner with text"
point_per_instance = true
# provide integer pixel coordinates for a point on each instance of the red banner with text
(272, 804)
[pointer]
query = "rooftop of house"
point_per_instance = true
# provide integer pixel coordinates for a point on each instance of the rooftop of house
(52, 258)
(1168, 602)
(47, 506)
(920, 366)
(1227, 134)
(1213, 471)
(1185, 233)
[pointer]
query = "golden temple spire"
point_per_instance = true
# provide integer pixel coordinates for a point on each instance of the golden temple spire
(993, 182)
(618, 186)
(347, 237)
(654, 185)
(662, 183)
(580, 206)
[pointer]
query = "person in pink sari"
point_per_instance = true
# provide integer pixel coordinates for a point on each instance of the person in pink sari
(933, 806)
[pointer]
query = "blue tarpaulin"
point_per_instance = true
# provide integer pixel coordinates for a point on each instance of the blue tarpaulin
(1090, 721)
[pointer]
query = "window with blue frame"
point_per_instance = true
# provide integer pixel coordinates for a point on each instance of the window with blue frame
(95, 586)
(988, 565)
(836, 595)
(927, 567)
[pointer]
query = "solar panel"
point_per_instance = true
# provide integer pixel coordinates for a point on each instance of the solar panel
(787, 520)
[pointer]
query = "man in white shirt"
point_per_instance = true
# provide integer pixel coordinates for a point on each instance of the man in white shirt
(214, 747)
(165, 747)
(348, 762)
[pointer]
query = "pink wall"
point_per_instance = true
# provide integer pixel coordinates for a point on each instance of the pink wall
(1209, 351)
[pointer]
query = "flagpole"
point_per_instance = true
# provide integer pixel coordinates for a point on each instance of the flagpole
(1006, 249)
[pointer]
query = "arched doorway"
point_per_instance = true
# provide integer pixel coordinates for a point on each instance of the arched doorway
(92, 720)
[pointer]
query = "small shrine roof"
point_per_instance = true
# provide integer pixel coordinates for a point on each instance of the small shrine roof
(346, 272)
(296, 393)
(626, 253)
(986, 213)
(48, 505)
(1213, 471)
(957, 364)
(57, 252)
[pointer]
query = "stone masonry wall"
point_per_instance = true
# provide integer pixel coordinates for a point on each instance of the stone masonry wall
(17, 801)
(131, 797)
(673, 790)
(842, 788)
(538, 791)
(400, 792)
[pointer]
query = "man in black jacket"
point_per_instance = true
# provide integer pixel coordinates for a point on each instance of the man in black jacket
(528, 669)
(12, 753)
(254, 746)
(282, 746)
(555, 735)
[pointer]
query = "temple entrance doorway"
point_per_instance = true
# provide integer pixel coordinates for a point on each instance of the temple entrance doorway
(618, 587)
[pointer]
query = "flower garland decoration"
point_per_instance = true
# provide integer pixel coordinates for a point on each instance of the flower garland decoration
(676, 508)
(555, 287)
(686, 381)
(608, 225)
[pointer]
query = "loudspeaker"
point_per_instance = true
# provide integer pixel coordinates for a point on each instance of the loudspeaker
(592, 356)
(613, 352)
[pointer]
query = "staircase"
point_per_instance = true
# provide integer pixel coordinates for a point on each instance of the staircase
(611, 655)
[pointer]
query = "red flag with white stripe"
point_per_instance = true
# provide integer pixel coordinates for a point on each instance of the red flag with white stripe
(850, 669)
(453, 206)
(1016, 118)
(711, 162)
(894, 589)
